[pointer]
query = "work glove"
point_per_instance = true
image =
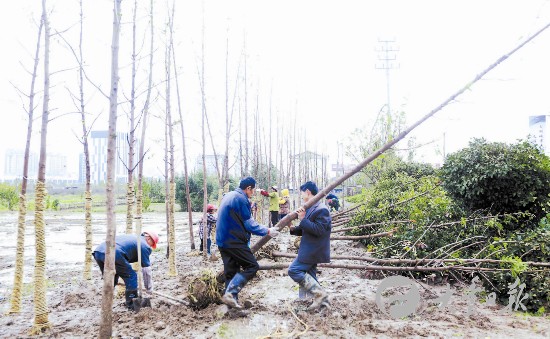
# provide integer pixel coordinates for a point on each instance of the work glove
(264, 193)
(147, 278)
(273, 232)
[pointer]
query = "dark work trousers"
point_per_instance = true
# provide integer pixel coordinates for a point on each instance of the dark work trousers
(274, 217)
(208, 244)
(123, 269)
(234, 259)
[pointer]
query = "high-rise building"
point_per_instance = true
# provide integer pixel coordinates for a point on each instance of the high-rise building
(56, 165)
(98, 157)
(13, 163)
(538, 125)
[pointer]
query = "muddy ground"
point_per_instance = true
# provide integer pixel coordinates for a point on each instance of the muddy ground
(74, 304)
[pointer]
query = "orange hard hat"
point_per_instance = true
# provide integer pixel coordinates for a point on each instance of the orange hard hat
(153, 236)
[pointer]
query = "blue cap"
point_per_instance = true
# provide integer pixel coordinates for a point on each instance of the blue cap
(310, 185)
(248, 181)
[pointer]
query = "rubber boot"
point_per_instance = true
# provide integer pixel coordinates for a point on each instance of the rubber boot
(233, 289)
(129, 296)
(303, 294)
(319, 294)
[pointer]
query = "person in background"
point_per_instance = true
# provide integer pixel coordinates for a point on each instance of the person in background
(235, 226)
(314, 228)
(125, 254)
(273, 204)
(211, 222)
(284, 204)
(333, 202)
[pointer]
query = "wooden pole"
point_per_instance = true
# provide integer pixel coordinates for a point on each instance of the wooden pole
(321, 194)
(280, 266)
(385, 261)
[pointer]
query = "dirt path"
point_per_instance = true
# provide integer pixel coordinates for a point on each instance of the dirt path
(75, 305)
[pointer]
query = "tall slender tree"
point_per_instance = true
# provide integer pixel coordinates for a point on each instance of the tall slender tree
(141, 154)
(172, 271)
(87, 274)
(204, 174)
(15, 300)
(130, 191)
(106, 323)
(185, 168)
(40, 303)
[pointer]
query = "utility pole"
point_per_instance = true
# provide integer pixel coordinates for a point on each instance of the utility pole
(387, 55)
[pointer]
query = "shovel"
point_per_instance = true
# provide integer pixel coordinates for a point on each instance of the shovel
(140, 301)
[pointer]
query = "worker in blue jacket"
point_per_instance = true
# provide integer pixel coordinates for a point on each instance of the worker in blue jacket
(314, 227)
(125, 254)
(234, 228)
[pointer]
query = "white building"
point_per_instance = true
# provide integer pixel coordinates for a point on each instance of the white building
(56, 165)
(538, 132)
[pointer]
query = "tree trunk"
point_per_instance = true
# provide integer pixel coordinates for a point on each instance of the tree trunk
(172, 271)
(322, 193)
(185, 167)
(278, 266)
(139, 195)
(204, 176)
(15, 300)
(40, 303)
(87, 274)
(106, 325)
(130, 190)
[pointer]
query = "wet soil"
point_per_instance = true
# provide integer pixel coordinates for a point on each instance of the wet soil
(274, 311)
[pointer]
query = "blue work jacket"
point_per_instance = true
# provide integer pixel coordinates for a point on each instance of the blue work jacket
(126, 246)
(235, 223)
(315, 231)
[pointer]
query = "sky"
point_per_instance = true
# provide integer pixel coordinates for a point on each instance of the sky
(316, 59)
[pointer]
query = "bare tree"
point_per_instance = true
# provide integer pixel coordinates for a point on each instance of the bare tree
(205, 185)
(105, 329)
(185, 168)
(87, 192)
(145, 114)
(15, 300)
(172, 188)
(40, 303)
(130, 192)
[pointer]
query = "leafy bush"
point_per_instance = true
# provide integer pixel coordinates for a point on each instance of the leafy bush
(500, 177)
(9, 196)
(196, 191)
(439, 228)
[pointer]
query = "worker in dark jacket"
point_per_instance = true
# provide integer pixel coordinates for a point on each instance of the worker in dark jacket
(314, 227)
(234, 228)
(125, 254)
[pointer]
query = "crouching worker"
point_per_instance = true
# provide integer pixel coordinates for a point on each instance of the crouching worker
(125, 254)
(234, 228)
(314, 227)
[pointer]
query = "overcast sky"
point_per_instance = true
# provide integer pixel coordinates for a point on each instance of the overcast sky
(316, 58)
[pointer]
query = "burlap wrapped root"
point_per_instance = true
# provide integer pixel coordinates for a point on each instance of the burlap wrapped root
(204, 290)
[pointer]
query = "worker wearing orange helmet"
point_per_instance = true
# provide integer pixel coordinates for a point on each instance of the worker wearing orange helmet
(125, 254)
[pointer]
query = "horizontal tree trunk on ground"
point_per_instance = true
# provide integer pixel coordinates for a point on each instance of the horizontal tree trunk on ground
(387, 261)
(279, 266)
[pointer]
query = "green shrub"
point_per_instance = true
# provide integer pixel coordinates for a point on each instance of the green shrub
(9, 196)
(500, 177)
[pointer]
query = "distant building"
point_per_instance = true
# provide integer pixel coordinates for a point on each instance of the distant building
(56, 165)
(98, 157)
(210, 161)
(538, 132)
(13, 163)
